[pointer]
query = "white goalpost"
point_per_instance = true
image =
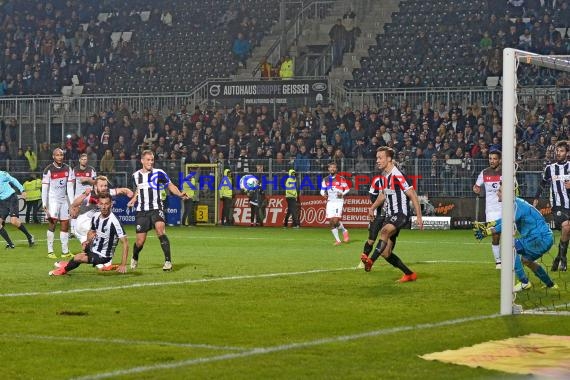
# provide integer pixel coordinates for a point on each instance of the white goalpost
(511, 60)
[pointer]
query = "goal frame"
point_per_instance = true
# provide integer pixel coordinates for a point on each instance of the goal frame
(511, 59)
(202, 185)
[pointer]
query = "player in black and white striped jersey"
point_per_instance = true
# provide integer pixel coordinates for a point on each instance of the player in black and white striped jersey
(377, 220)
(105, 233)
(395, 193)
(557, 175)
(148, 182)
(85, 206)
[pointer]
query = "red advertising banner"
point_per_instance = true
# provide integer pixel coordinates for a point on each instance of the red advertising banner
(355, 211)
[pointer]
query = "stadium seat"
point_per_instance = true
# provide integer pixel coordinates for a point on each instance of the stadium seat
(145, 16)
(126, 36)
(115, 38)
(492, 81)
(66, 90)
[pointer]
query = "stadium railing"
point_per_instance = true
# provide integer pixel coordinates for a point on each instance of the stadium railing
(454, 178)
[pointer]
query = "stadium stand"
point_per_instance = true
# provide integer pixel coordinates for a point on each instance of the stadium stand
(123, 46)
(457, 43)
(141, 48)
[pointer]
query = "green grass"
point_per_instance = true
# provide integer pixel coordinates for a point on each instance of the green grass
(247, 303)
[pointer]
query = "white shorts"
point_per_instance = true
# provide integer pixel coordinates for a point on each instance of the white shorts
(82, 226)
(334, 209)
(59, 211)
(493, 215)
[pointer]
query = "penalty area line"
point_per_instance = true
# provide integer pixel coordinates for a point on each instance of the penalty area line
(169, 283)
(120, 341)
(207, 280)
(282, 348)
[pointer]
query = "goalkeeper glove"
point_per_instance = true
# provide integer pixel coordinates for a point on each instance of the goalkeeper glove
(482, 230)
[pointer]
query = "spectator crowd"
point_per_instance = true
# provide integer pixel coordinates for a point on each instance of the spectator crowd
(445, 141)
(47, 43)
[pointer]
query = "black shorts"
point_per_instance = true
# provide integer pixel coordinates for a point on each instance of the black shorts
(10, 207)
(560, 215)
(399, 221)
(375, 226)
(96, 259)
(145, 220)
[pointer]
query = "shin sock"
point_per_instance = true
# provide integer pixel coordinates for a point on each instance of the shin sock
(25, 231)
(64, 237)
(544, 277)
(496, 253)
(379, 248)
(50, 239)
(4, 234)
(136, 251)
(367, 248)
(335, 234)
(165, 245)
(562, 248)
(72, 265)
(397, 263)
(519, 270)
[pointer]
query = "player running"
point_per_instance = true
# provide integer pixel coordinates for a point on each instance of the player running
(396, 194)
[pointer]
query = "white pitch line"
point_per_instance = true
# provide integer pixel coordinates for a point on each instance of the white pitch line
(206, 280)
(281, 348)
(168, 283)
(452, 262)
(198, 237)
(121, 341)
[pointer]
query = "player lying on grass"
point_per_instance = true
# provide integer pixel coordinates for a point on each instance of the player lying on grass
(534, 241)
(102, 239)
(85, 206)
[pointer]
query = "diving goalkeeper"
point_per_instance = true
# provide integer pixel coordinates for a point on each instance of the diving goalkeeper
(534, 240)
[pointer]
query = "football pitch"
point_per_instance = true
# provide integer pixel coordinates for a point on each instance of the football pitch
(261, 303)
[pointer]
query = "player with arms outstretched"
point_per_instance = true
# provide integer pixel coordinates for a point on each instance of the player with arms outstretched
(84, 179)
(148, 183)
(534, 240)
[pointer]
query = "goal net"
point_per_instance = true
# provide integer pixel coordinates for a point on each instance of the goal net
(206, 178)
(536, 299)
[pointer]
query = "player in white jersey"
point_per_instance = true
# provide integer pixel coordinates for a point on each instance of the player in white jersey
(57, 194)
(105, 233)
(334, 187)
(84, 178)
(490, 178)
(86, 204)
